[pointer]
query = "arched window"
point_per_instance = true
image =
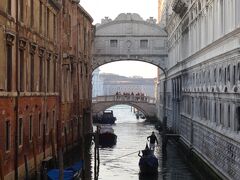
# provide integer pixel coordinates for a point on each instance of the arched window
(200, 106)
(209, 76)
(238, 118)
(215, 75)
(238, 71)
(228, 73)
(220, 75)
(215, 112)
(225, 75)
(203, 76)
(234, 75)
(220, 113)
(229, 116)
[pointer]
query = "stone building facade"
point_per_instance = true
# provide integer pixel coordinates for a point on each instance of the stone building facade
(113, 83)
(203, 78)
(43, 58)
(97, 83)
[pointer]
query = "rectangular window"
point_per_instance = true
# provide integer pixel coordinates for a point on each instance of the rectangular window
(32, 13)
(7, 135)
(47, 123)
(22, 70)
(32, 72)
(20, 132)
(113, 43)
(9, 68)
(54, 27)
(39, 124)
(21, 9)
(30, 128)
(48, 74)
(48, 16)
(81, 70)
(84, 40)
(144, 44)
(54, 121)
(41, 74)
(9, 7)
(86, 70)
(54, 75)
(40, 17)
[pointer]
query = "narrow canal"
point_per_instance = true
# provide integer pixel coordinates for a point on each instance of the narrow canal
(131, 137)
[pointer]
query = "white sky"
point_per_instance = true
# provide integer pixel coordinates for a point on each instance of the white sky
(99, 9)
(130, 68)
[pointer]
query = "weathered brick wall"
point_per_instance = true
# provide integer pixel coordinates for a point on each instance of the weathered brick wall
(47, 38)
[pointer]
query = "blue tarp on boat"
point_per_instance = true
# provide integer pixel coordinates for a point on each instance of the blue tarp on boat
(54, 174)
(69, 172)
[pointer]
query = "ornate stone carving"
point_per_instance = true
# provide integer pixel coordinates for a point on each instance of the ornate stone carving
(22, 43)
(49, 56)
(55, 57)
(179, 7)
(41, 52)
(9, 38)
(33, 48)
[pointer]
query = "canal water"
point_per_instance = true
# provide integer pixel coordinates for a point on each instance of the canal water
(121, 161)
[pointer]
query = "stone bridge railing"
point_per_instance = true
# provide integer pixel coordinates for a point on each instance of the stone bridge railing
(124, 98)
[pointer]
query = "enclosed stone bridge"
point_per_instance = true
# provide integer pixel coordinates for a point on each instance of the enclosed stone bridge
(129, 37)
(145, 104)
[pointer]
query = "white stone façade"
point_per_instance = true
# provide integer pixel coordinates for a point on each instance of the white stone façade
(203, 79)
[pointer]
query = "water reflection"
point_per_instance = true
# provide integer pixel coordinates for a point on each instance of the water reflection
(121, 161)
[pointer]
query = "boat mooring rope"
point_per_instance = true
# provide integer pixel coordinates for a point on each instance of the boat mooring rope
(119, 157)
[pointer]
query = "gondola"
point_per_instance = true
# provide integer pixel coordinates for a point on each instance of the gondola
(148, 162)
(106, 118)
(107, 138)
(71, 173)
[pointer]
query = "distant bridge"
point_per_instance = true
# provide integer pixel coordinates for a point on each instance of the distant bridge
(144, 104)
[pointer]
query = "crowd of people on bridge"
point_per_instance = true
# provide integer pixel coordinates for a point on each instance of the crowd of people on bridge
(138, 96)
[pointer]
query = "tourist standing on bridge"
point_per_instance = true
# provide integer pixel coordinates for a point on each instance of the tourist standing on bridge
(153, 139)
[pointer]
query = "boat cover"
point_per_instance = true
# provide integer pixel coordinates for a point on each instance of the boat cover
(149, 160)
(106, 129)
(69, 172)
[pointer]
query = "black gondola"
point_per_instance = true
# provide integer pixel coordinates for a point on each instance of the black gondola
(107, 138)
(148, 162)
(105, 118)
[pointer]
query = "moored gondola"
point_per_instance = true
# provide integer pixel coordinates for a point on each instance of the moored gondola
(73, 172)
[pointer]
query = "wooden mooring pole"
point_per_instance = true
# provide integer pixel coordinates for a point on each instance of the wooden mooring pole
(35, 156)
(60, 156)
(96, 154)
(98, 157)
(1, 167)
(26, 167)
(53, 147)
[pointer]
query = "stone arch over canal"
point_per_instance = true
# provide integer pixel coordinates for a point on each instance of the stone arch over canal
(129, 37)
(146, 105)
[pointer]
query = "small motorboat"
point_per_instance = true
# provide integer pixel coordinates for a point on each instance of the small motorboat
(71, 173)
(148, 162)
(107, 138)
(105, 118)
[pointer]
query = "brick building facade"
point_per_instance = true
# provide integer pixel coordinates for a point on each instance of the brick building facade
(45, 80)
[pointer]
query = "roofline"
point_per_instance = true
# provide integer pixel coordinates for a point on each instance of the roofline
(86, 13)
(126, 21)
